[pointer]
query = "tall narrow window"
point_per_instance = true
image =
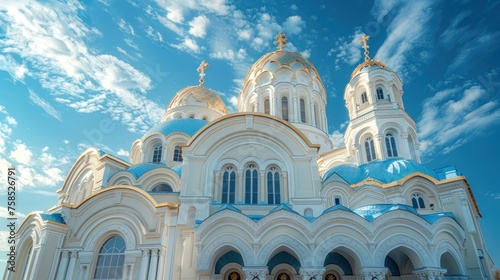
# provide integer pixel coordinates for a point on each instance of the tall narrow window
(302, 110)
(413, 155)
(337, 200)
(417, 201)
(273, 186)
(380, 93)
(111, 259)
(390, 144)
(364, 98)
(251, 184)
(267, 109)
(228, 185)
(177, 153)
(370, 149)
(315, 113)
(157, 154)
(284, 108)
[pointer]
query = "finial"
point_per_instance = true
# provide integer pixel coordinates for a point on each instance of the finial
(204, 65)
(280, 40)
(364, 40)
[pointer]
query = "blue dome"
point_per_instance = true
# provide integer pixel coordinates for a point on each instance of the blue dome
(386, 171)
(187, 126)
(140, 169)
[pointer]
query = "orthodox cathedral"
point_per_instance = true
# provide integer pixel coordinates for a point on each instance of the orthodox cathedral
(261, 194)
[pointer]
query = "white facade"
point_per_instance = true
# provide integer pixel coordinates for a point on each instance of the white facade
(260, 194)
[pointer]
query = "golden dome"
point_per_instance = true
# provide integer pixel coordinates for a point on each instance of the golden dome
(192, 95)
(278, 59)
(367, 64)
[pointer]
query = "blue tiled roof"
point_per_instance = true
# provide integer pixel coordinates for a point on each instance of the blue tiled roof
(385, 171)
(55, 217)
(178, 169)
(228, 207)
(282, 207)
(188, 126)
(337, 207)
(140, 169)
(373, 211)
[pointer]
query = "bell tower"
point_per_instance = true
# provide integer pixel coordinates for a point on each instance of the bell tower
(379, 127)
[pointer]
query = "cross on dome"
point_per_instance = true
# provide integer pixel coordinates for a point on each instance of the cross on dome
(204, 65)
(364, 41)
(280, 40)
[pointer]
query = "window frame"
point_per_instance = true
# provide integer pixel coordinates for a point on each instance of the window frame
(251, 184)
(177, 157)
(157, 153)
(391, 144)
(302, 106)
(228, 195)
(273, 185)
(370, 152)
(121, 259)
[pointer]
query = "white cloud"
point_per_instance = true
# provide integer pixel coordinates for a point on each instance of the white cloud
(230, 55)
(347, 50)
(49, 109)
(21, 153)
(4, 213)
(188, 45)
(306, 53)
(198, 26)
(11, 121)
(122, 152)
(125, 27)
(337, 139)
(153, 34)
(294, 25)
(245, 34)
(16, 70)
(454, 116)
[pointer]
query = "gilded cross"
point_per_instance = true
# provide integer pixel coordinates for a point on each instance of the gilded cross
(364, 41)
(204, 65)
(280, 40)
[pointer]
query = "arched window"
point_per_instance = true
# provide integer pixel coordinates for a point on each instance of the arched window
(302, 110)
(315, 113)
(273, 186)
(390, 144)
(364, 98)
(283, 276)
(191, 116)
(234, 276)
(267, 109)
(330, 276)
(417, 201)
(308, 212)
(177, 153)
(251, 184)
(111, 259)
(370, 149)
(337, 200)
(284, 108)
(157, 154)
(380, 93)
(228, 185)
(161, 188)
(413, 155)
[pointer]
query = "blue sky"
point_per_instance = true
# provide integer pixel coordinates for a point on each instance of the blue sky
(101, 73)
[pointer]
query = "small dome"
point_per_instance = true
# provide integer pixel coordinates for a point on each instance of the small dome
(186, 126)
(385, 171)
(198, 96)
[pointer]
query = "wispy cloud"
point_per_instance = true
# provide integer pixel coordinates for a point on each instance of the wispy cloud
(80, 77)
(407, 43)
(198, 26)
(293, 25)
(454, 116)
(347, 50)
(49, 109)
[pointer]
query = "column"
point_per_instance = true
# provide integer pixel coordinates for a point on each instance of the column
(430, 273)
(405, 148)
(312, 273)
(261, 188)
(296, 111)
(217, 185)
(83, 272)
(153, 265)
(311, 114)
(374, 273)
(359, 154)
(161, 262)
(63, 265)
(284, 187)
(71, 266)
(144, 264)
(252, 272)
(379, 148)
(240, 187)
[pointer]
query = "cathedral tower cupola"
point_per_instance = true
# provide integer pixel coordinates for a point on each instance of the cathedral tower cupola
(196, 102)
(286, 85)
(379, 127)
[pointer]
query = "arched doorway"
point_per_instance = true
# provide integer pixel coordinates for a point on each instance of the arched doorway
(448, 262)
(283, 266)
(401, 263)
(230, 266)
